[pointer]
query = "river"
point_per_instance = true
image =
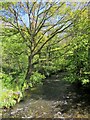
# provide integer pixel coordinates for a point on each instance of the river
(56, 98)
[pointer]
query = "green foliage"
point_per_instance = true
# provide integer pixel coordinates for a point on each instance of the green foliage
(78, 67)
(48, 70)
(36, 78)
(6, 99)
(9, 98)
(6, 80)
(15, 49)
(9, 82)
(10, 93)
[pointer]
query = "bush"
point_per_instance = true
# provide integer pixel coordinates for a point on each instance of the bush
(9, 98)
(6, 80)
(11, 90)
(36, 78)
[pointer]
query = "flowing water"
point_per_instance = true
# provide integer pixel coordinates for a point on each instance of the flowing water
(56, 98)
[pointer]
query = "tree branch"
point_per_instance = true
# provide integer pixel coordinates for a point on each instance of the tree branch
(55, 33)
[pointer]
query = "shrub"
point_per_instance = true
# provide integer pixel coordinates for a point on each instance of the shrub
(9, 98)
(36, 78)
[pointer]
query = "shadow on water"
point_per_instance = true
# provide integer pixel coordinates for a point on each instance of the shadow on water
(55, 98)
(67, 97)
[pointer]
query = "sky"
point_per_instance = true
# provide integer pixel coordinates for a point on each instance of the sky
(46, 0)
(25, 16)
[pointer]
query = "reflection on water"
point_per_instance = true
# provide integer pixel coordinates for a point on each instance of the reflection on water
(54, 99)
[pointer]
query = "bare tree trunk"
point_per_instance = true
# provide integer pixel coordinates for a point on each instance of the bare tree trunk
(29, 68)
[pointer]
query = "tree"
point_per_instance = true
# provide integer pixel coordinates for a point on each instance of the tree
(43, 22)
(78, 67)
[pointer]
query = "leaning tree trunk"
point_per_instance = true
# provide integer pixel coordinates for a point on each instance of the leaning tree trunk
(29, 68)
